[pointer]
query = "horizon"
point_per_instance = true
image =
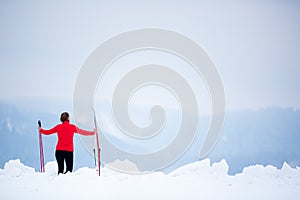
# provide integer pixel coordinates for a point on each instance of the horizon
(22, 102)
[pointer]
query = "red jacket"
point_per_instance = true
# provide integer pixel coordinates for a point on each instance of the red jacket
(65, 133)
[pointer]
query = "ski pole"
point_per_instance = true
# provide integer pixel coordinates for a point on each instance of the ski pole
(97, 142)
(42, 163)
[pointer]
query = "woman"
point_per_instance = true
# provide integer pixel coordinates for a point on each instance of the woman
(65, 146)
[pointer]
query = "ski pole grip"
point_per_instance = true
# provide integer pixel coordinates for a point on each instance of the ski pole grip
(39, 123)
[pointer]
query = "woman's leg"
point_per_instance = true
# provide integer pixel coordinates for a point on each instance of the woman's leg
(69, 161)
(59, 155)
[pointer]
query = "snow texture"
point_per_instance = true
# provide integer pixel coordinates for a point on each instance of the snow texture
(199, 180)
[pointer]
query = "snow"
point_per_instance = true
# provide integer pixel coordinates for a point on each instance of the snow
(199, 180)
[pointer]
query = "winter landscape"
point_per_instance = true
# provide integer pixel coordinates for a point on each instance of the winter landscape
(168, 80)
(248, 174)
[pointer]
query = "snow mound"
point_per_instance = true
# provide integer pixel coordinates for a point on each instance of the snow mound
(203, 168)
(193, 181)
(14, 168)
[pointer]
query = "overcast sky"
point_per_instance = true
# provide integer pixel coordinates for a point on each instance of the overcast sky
(254, 44)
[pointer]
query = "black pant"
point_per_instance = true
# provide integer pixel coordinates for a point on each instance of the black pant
(64, 156)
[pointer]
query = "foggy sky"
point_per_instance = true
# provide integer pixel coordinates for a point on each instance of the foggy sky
(255, 45)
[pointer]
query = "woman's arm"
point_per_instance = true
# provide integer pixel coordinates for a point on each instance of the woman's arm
(48, 132)
(84, 132)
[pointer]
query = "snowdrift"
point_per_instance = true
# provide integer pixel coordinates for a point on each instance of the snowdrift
(199, 180)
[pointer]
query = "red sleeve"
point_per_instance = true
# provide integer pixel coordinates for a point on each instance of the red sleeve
(50, 131)
(83, 132)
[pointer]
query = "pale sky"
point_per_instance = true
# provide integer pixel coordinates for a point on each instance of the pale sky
(255, 45)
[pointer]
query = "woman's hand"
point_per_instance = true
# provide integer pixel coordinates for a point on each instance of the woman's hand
(39, 128)
(95, 130)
